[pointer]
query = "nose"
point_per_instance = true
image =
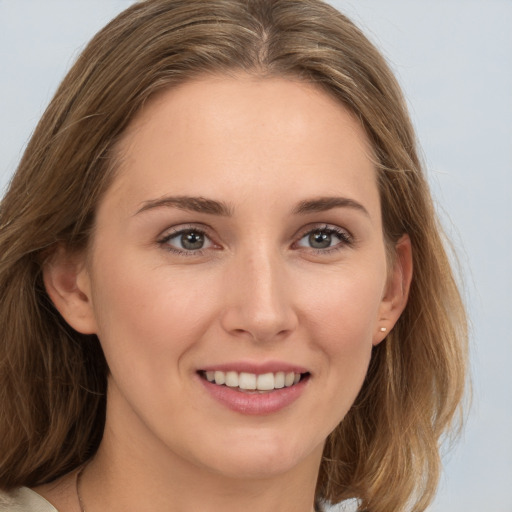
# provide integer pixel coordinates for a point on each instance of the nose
(258, 298)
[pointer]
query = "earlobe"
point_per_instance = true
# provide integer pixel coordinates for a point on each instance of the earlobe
(397, 289)
(68, 285)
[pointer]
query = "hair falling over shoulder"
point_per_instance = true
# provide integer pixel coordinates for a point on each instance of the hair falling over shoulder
(385, 453)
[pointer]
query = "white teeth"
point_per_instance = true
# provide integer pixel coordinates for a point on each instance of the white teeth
(265, 382)
(232, 379)
(251, 381)
(289, 378)
(279, 380)
(247, 381)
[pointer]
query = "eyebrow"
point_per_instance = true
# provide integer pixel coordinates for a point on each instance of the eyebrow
(194, 204)
(323, 204)
(213, 207)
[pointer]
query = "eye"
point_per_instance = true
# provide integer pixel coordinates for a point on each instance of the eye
(187, 240)
(328, 237)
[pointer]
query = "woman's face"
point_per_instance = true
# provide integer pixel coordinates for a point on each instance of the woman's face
(241, 241)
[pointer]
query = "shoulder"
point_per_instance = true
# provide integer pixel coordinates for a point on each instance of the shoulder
(24, 499)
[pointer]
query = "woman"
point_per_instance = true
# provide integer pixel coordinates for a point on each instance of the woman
(223, 282)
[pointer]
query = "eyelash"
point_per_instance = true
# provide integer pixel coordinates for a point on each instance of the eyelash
(179, 232)
(346, 239)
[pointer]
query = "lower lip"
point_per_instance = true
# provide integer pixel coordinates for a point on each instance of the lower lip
(254, 403)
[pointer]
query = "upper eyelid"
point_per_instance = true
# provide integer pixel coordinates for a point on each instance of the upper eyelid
(167, 235)
(323, 226)
(206, 230)
(180, 228)
(344, 241)
(174, 232)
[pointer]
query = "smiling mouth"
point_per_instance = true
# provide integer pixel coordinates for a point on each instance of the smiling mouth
(251, 382)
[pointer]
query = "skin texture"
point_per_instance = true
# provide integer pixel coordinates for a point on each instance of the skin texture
(256, 292)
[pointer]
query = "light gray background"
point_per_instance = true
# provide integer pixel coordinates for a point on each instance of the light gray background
(454, 60)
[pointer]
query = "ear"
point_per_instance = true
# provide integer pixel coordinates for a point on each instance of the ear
(68, 285)
(397, 289)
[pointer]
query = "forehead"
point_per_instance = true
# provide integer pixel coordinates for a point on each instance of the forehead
(242, 135)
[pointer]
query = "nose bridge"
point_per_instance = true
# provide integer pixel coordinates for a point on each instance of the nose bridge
(259, 295)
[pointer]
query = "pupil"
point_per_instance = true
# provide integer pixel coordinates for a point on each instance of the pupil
(192, 240)
(320, 239)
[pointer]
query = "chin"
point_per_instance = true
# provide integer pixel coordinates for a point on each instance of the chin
(259, 459)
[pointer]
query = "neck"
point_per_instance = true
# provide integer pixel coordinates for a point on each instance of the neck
(127, 475)
(132, 484)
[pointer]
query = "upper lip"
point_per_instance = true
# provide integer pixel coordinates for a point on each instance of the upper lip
(258, 368)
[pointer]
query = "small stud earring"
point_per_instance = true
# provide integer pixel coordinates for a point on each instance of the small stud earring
(383, 329)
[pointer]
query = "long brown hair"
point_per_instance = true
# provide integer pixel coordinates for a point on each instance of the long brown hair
(53, 380)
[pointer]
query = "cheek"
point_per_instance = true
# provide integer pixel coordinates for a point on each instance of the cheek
(344, 311)
(149, 318)
(341, 322)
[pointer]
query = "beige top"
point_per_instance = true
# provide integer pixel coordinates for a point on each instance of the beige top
(24, 499)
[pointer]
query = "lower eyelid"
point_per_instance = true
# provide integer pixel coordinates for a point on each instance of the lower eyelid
(345, 237)
(164, 241)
